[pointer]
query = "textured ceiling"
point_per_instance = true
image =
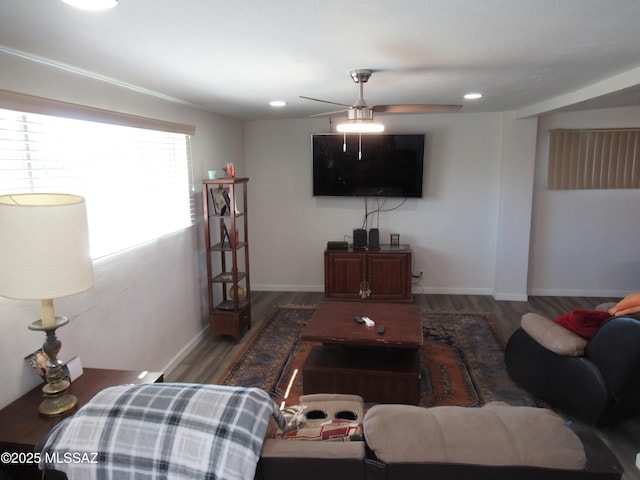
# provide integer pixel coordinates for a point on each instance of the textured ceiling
(527, 56)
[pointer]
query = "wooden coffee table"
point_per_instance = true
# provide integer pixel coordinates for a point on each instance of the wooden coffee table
(354, 358)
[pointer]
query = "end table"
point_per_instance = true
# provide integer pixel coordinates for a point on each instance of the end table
(23, 427)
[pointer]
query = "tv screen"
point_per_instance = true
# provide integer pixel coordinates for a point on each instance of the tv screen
(368, 166)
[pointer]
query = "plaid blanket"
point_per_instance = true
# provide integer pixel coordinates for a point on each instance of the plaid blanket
(163, 431)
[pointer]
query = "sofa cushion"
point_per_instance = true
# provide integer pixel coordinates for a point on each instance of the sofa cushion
(496, 434)
(605, 307)
(552, 335)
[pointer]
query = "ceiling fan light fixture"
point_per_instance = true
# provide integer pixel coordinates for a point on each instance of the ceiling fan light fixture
(360, 127)
(360, 120)
(473, 96)
(92, 4)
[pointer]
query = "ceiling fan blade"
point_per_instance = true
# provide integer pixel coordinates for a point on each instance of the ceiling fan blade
(409, 108)
(326, 101)
(328, 114)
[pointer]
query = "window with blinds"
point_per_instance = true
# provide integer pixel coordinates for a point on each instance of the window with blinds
(594, 159)
(137, 181)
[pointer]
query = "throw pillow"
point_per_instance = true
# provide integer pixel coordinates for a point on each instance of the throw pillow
(628, 305)
(552, 335)
(583, 322)
(334, 430)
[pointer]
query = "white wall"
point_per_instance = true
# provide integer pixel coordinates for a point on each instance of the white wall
(452, 230)
(486, 225)
(584, 242)
(149, 302)
(514, 208)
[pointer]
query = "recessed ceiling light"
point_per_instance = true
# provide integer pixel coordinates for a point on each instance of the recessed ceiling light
(473, 96)
(277, 103)
(92, 4)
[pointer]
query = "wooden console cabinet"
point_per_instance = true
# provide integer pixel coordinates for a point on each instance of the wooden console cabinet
(382, 274)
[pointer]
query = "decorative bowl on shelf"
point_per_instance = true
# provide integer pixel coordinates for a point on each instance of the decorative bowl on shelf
(232, 292)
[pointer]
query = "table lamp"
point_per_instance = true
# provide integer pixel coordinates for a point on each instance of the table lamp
(44, 254)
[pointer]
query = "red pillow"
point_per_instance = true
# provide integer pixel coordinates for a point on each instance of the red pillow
(583, 322)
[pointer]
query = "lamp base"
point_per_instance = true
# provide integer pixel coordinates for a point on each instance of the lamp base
(53, 405)
(57, 401)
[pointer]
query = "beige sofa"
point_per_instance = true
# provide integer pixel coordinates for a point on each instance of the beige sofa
(496, 441)
(405, 442)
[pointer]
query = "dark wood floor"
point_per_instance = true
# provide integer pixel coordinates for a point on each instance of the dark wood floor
(209, 359)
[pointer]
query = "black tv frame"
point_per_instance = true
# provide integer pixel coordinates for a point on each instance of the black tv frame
(374, 165)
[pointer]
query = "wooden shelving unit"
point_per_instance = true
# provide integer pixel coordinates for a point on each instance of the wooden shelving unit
(224, 204)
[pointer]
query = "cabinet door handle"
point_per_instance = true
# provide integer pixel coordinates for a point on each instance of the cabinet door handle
(364, 292)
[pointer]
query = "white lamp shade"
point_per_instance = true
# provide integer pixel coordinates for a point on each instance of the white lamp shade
(44, 246)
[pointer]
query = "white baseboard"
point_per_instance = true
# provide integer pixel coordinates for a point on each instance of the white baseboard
(184, 351)
(287, 288)
(515, 297)
(544, 292)
(415, 290)
(511, 297)
(451, 291)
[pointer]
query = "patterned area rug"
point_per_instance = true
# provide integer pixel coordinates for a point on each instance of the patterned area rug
(462, 359)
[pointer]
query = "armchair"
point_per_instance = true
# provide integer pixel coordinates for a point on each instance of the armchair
(597, 381)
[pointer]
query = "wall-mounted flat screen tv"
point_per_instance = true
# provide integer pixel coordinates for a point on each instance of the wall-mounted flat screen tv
(380, 165)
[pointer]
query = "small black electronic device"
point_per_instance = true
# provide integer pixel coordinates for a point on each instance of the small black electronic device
(374, 238)
(359, 238)
(358, 319)
(381, 330)
(337, 245)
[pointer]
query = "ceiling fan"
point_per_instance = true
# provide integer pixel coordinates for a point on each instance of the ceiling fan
(360, 115)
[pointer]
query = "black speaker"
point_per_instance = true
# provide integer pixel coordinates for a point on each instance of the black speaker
(374, 238)
(359, 238)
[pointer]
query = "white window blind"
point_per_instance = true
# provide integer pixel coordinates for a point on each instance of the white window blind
(137, 182)
(594, 159)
